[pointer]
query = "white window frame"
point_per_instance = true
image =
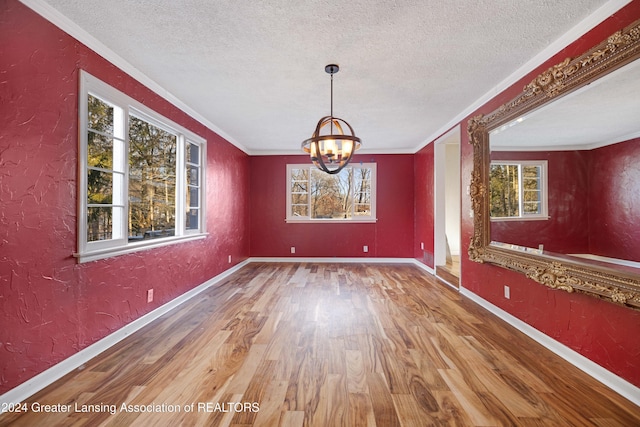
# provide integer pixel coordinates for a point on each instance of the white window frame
(120, 244)
(544, 190)
(354, 218)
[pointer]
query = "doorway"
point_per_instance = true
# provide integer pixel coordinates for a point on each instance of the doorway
(447, 249)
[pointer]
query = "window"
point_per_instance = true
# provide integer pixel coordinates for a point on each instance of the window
(518, 190)
(141, 176)
(313, 195)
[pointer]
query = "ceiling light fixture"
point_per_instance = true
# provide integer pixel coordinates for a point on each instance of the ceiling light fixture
(333, 151)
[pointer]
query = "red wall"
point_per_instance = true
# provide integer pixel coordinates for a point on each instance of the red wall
(425, 205)
(614, 213)
(50, 306)
(390, 236)
(601, 331)
(567, 229)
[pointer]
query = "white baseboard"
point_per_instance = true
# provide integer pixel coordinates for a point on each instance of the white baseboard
(606, 377)
(363, 260)
(42, 380)
(349, 260)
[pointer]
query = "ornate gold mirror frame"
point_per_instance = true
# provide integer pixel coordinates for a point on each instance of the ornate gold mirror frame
(554, 271)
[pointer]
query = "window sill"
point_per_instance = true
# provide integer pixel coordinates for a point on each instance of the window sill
(331, 221)
(524, 218)
(136, 247)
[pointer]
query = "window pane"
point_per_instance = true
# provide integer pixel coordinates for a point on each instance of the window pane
(192, 197)
(193, 154)
(193, 219)
(100, 115)
(531, 176)
(504, 191)
(99, 224)
(300, 199)
(362, 196)
(331, 194)
(300, 210)
(299, 175)
(150, 224)
(152, 180)
(192, 202)
(99, 151)
(300, 192)
(99, 187)
(192, 175)
(299, 187)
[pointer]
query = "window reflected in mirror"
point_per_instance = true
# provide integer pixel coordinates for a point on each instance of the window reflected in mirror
(518, 190)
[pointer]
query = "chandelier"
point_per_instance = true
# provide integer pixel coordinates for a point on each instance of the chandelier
(329, 147)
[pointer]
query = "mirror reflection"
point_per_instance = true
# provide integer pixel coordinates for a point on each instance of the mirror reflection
(566, 177)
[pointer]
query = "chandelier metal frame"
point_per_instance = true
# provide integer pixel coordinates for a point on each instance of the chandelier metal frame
(333, 151)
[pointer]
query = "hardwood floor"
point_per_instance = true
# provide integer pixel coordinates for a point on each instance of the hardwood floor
(328, 345)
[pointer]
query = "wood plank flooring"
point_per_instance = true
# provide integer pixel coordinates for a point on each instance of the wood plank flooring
(298, 344)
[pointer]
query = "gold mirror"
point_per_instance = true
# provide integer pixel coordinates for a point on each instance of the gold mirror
(537, 166)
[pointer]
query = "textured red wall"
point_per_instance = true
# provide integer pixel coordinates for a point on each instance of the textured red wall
(424, 205)
(50, 306)
(567, 229)
(614, 183)
(390, 236)
(601, 331)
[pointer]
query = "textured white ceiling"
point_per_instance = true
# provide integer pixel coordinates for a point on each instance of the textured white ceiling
(255, 69)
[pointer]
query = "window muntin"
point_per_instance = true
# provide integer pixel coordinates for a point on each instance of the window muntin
(141, 178)
(518, 190)
(194, 186)
(105, 170)
(313, 195)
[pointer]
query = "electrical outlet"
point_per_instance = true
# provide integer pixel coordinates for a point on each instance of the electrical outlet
(365, 248)
(422, 246)
(229, 259)
(150, 295)
(293, 249)
(507, 292)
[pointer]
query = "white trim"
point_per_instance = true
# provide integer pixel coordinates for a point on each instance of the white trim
(617, 261)
(325, 260)
(57, 371)
(440, 194)
(445, 281)
(425, 267)
(330, 221)
(361, 152)
(137, 247)
(606, 377)
(520, 218)
(569, 147)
